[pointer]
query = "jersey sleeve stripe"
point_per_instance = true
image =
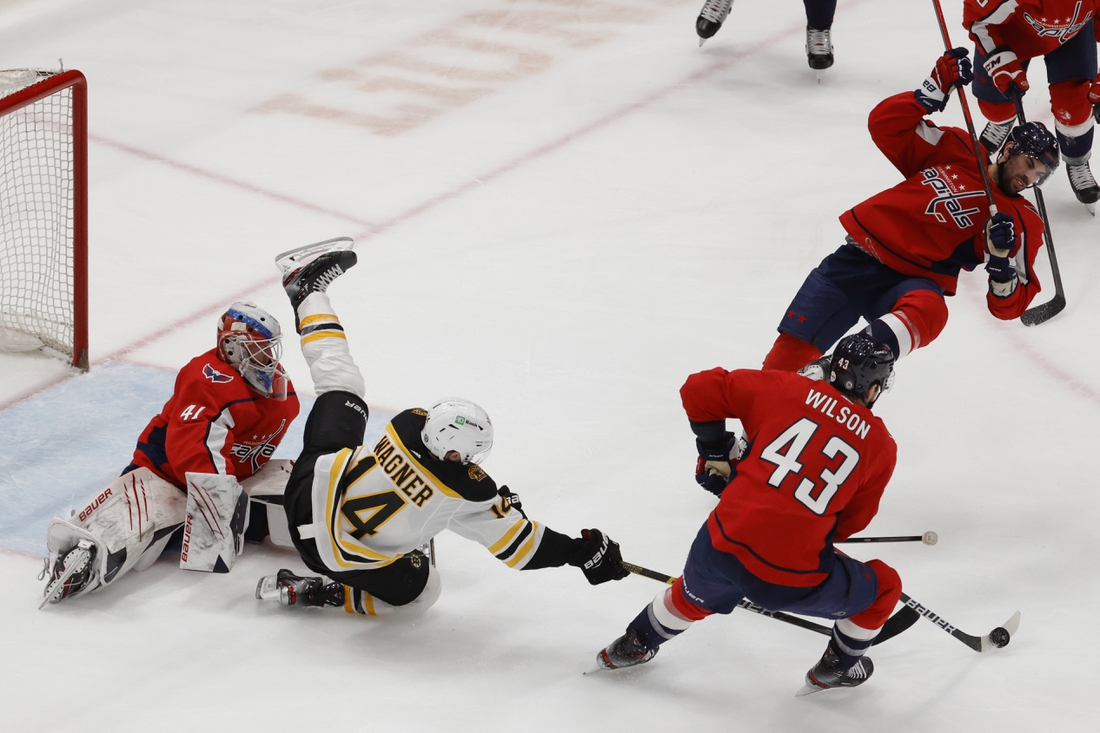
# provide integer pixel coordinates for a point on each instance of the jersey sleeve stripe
(507, 538)
(512, 548)
(526, 552)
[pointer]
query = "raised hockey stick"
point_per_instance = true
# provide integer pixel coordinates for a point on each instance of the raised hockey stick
(928, 538)
(896, 624)
(966, 114)
(995, 639)
(1044, 311)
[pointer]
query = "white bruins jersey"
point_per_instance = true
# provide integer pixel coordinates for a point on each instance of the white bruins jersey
(372, 507)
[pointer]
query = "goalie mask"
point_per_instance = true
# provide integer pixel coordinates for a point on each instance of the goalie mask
(461, 426)
(251, 341)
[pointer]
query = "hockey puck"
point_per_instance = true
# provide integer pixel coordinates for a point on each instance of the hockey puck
(930, 538)
(999, 637)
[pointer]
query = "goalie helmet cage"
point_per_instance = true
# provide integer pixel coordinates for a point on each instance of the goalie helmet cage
(44, 209)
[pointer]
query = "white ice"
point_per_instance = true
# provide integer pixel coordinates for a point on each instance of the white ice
(562, 208)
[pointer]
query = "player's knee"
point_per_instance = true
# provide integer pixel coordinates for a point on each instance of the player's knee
(789, 354)
(924, 313)
(997, 112)
(677, 602)
(1071, 107)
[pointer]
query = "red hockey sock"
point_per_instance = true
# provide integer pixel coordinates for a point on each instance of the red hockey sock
(789, 354)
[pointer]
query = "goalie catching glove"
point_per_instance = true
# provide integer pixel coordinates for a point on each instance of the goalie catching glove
(599, 558)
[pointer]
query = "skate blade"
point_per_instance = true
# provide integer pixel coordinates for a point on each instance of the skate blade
(1091, 208)
(298, 256)
(808, 690)
(268, 588)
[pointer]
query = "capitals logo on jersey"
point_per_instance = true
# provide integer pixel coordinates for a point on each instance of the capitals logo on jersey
(215, 376)
(264, 447)
(949, 198)
(1062, 30)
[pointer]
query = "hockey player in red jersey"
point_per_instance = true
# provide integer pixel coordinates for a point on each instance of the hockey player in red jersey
(229, 410)
(906, 246)
(362, 515)
(815, 468)
(1009, 33)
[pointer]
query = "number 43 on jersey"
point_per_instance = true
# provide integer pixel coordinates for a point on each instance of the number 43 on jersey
(784, 453)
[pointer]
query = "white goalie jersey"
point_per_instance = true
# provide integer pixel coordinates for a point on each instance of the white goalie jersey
(370, 507)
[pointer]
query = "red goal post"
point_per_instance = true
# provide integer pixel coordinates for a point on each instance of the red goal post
(44, 212)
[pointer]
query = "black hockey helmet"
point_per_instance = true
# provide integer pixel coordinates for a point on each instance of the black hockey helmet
(1034, 140)
(859, 362)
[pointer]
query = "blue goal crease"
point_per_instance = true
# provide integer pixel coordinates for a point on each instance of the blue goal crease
(59, 448)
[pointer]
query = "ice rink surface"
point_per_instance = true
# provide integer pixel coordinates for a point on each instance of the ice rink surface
(562, 208)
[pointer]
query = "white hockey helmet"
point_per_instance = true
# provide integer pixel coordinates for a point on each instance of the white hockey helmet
(459, 425)
(251, 341)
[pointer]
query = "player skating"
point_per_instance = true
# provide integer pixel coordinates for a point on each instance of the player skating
(1008, 34)
(817, 464)
(359, 514)
(819, 24)
(906, 246)
(229, 410)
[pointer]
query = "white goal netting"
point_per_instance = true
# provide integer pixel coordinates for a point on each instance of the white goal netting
(38, 222)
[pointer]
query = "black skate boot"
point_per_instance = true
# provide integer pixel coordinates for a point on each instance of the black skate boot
(994, 135)
(1084, 185)
(312, 268)
(819, 48)
(711, 17)
(72, 572)
(828, 675)
(626, 651)
(294, 590)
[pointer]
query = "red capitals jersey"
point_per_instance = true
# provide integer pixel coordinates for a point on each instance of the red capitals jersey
(931, 224)
(814, 472)
(1029, 28)
(214, 423)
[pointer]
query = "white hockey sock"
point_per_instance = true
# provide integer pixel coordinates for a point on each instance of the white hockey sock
(326, 348)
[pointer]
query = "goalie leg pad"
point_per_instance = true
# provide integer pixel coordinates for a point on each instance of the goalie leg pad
(123, 522)
(266, 487)
(213, 530)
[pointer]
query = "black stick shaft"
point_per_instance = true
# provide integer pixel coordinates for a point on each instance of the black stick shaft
(906, 538)
(966, 114)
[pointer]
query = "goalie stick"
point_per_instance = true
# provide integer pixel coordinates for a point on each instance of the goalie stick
(1045, 311)
(896, 624)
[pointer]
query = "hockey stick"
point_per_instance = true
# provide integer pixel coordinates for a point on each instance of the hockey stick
(896, 624)
(966, 114)
(928, 538)
(995, 639)
(1045, 311)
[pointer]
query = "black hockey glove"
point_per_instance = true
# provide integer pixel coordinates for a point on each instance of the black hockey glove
(599, 558)
(714, 469)
(953, 69)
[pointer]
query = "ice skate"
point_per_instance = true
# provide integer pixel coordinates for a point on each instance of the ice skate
(312, 268)
(819, 48)
(828, 675)
(711, 17)
(994, 135)
(626, 651)
(1084, 185)
(818, 368)
(72, 571)
(293, 590)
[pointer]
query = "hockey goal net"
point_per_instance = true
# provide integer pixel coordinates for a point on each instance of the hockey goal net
(44, 213)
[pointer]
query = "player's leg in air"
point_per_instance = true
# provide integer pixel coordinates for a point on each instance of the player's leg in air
(862, 594)
(902, 312)
(337, 421)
